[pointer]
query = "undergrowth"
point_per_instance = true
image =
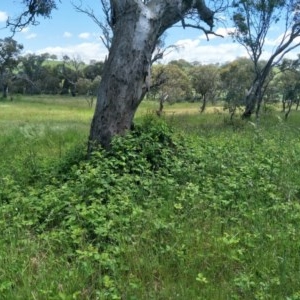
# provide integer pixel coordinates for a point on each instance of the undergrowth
(158, 216)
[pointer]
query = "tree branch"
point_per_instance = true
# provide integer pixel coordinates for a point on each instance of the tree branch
(106, 27)
(33, 10)
(206, 32)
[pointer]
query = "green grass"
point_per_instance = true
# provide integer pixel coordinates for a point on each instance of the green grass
(189, 207)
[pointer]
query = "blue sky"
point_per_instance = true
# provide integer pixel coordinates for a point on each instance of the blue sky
(71, 33)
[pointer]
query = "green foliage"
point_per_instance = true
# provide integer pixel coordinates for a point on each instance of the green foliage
(159, 216)
(171, 80)
(206, 82)
(9, 51)
(236, 78)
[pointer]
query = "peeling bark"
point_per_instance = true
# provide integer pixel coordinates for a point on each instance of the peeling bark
(136, 27)
(255, 95)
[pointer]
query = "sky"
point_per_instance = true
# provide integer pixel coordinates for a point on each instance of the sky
(74, 34)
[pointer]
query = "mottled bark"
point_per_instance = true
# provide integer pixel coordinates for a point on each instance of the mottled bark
(136, 28)
(254, 97)
(251, 100)
(122, 85)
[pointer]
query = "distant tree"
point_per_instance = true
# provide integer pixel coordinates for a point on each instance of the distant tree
(52, 79)
(33, 72)
(253, 20)
(271, 91)
(70, 70)
(136, 26)
(171, 84)
(92, 70)
(205, 81)
(9, 54)
(53, 57)
(88, 88)
(289, 84)
(182, 64)
(236, 77)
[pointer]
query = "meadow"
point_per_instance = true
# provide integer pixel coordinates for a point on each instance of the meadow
(187, 206)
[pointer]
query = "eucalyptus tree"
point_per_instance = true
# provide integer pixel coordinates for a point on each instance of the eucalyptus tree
(71, 69)
(170, 83)
(205, 81)
(289, 84)
(235, 78)
(93, 70)
(182, 64)
(32, 72)
(136, 26)
(253, 21)
(9, 54)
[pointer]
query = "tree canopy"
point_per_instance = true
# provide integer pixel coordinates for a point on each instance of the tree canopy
(33, 9)
(9, 51)
(134, 29)
(253, 21)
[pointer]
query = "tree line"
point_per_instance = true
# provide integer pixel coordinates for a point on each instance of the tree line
(44, 74)
(132, 29)
(176, 81)
(228, 83)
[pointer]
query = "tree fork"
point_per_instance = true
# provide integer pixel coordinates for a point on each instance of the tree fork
(137, 28)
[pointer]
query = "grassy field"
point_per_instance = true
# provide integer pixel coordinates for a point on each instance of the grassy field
(190, 206)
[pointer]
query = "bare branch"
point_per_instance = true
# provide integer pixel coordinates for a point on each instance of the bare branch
(206, 32)
(160, 53)
(106, 27)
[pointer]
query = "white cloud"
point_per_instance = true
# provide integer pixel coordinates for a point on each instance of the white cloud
(221, 50)
(27, 34)
(194, 50)
(25, 30)
(84, 35)
(281, 38)
(292, 55)
(30, 36)
(3, 16)
(67, 34)
(276, 40)
(86, 51)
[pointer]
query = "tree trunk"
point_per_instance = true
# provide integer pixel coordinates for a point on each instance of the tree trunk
(283, 103)
(137, 26)
(5, 90)
(123, 83)
(297, 104)
(203, 106)
(255, 95)
(162, 98)
(251, 100)
(289, 106)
